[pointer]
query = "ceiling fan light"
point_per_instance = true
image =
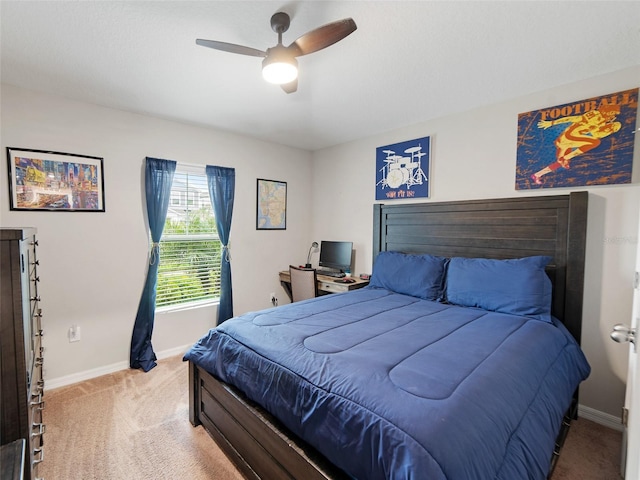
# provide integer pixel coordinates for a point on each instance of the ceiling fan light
(279, 70)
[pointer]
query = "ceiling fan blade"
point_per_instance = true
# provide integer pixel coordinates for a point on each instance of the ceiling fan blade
(290, 87)
(231, 47)
(322, 37)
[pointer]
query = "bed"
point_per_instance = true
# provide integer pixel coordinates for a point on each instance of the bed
(443, 383)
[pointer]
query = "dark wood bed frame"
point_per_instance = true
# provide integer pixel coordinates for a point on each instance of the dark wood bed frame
(498, 228)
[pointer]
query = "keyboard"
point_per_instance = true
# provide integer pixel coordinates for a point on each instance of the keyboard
(330, 273)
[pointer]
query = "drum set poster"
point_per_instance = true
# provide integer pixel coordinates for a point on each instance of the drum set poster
(588, 142)
(402, 170)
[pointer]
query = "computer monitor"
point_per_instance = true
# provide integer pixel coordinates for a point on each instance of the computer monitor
(335, 255)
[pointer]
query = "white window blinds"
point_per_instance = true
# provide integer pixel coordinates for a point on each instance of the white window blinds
(189, 271)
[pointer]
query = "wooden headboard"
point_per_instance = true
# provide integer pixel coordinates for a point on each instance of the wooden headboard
(498, 228)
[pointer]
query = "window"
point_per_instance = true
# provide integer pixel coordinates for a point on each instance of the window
(189, 271)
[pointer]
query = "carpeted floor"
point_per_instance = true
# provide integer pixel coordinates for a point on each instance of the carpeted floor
(134, 425)
(129, 425)
(591, 452)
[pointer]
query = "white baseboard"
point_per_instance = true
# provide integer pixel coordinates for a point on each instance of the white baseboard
(599, 417)
(107, 369)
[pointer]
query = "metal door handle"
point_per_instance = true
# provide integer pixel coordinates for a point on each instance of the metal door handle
(623, 333)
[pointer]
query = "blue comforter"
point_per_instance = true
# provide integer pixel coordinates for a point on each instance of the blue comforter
(388, 386)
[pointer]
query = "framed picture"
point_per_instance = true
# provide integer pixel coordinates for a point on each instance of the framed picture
(271, 205)
(583, 143)
(55, 181)
(402, 170)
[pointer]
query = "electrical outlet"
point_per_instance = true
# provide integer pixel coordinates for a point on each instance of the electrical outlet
(273, 299)
(74, 333)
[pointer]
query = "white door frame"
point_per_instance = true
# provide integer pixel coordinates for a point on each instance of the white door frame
(632, 396)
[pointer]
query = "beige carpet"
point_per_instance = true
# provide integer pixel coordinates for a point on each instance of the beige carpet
(134, 425)
(129, 425)
(591, 452)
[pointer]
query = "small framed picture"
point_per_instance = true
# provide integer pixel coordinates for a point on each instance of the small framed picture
(271, 205)
(55, 181)
(402, 170)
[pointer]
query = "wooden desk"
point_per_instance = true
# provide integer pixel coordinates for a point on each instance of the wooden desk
(326, 284)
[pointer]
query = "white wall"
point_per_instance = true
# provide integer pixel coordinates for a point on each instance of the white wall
(93, 264)
(474, 157)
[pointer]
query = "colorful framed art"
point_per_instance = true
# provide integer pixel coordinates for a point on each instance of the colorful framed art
(588, 142)
(55, 181)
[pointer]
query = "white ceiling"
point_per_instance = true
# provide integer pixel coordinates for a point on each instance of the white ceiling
(408, 61)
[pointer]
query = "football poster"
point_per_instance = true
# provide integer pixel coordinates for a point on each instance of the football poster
(588, 142)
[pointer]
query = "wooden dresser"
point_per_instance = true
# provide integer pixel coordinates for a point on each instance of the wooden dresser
(21, 357)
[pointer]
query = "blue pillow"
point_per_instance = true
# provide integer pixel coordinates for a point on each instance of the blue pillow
(518, 286)
(420, 276)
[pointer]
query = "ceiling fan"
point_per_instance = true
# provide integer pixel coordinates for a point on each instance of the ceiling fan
(280, 65)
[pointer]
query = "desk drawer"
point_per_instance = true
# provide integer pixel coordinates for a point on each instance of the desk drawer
(333, 287)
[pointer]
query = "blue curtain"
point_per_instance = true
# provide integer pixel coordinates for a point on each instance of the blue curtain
(157, 180)
(222, 184)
